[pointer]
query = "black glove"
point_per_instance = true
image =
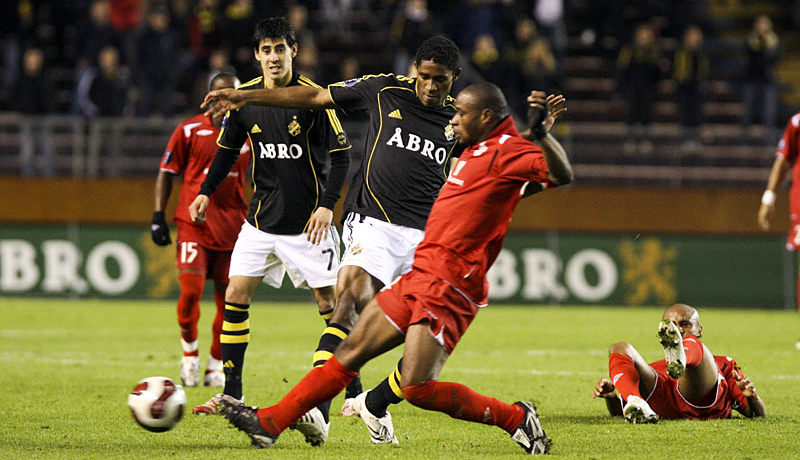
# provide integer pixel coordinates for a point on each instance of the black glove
(536, 120)
(159, 230)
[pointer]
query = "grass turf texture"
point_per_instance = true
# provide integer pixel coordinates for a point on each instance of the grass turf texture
(69, 365)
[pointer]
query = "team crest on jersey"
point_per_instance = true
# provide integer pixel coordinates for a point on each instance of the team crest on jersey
(449, 134)
(294, 126)
(350, 82)
(341, 138)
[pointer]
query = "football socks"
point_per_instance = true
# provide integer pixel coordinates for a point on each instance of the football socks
(216, 325)
(189, 305)
(623, 375)
(461, 402)
(693, 349)
(319, 385)
(385, 393)
(234, 339)
(332, 336)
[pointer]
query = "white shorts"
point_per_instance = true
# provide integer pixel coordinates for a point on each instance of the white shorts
(383, 250)
(270, 256)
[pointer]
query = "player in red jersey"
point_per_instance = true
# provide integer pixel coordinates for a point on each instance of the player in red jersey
(203, 250)
(689, 383)
(786, 156)
(429, 308)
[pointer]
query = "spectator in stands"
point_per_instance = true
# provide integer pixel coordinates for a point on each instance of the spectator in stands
(241, 19)
(539, 69)
(469, 20)
(33, 95)
(307, 61)
(206, 29)
(92, 34)
(349, 68)
(760, 91)
(103, 90)
(639, 71)
(412, 23)
(690, 74)
(157, 52)
(485, 57)
(549, 15)
(218, 62)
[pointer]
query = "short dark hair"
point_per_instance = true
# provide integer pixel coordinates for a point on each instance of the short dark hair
(223, 75)
(489, 96)
(274, 28)
(440, 50)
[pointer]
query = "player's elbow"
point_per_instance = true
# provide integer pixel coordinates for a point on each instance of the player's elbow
(563, 176)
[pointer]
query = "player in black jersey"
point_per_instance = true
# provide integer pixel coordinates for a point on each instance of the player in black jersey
(408, 150)
(288, 227)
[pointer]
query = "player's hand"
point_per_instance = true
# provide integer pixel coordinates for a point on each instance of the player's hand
(197, 210)
(556, 107)
(744, 384)
(537, 114)
(604, 389)
(219, 102)
(765, 214)
(319, 225)
(159, 230)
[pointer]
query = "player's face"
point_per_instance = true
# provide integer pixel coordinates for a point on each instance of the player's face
(469, 120)
(221, 83)
(275, 57)
(434, 82)
(687, 320)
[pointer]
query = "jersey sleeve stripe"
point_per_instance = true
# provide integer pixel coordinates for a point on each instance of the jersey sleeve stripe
(251, 82)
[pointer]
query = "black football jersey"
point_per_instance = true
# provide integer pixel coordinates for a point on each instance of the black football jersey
(289, 151)
(408, 148)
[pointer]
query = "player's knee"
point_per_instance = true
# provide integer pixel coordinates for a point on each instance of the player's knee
(418, 393)
(620, 347)
(237, 294)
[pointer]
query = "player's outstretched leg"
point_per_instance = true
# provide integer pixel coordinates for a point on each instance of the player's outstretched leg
(670, 338)
(529, 434)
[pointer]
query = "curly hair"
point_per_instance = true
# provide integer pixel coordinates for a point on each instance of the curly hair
(440, 50)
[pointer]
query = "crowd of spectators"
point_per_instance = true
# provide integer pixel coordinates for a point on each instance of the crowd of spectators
(156, 57)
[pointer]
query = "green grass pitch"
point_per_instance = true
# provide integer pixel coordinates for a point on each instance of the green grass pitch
(68, 365)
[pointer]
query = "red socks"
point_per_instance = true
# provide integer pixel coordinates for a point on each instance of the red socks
(693, 349)
(189, 304)
(318, 386)
(461, 402)
(623, 375)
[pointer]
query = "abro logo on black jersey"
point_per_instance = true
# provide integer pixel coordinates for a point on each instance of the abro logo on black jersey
(280, 151)
(415, 143)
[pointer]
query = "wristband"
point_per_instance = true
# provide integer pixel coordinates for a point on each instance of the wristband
(768, 198)
(538, 131)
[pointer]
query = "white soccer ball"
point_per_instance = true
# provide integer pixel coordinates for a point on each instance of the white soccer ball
(157, 403)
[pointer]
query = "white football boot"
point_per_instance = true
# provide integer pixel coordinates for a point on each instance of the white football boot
(670, 337)
(214, 405)
(347, 408)
(381, 430)
(214, 376)
(637, 410)
(190, 371)
(313, 426)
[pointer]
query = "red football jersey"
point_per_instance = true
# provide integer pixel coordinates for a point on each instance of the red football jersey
(470, 218)
(668, 403)
(789, 148)
(190, 151)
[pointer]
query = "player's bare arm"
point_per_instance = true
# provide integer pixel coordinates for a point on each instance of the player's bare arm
(559, 170)
(556, 106)
(605, 389)
(776, 176)
(159, 230)
(292, 97)
(319, 225)
(755, 406)
(197, 210)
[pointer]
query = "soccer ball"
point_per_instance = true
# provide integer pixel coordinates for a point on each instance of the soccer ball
(157, 403)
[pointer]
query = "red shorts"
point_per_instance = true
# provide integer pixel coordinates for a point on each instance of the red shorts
(418, 296)
(668, 402)
(191, 255)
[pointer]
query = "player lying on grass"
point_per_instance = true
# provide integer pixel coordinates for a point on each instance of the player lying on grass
(429, 308)
(689, 383)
